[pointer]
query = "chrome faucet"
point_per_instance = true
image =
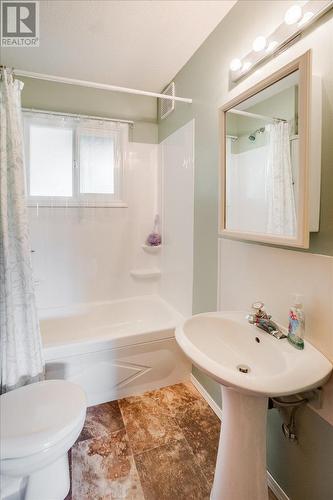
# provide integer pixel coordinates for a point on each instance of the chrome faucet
(262, 320)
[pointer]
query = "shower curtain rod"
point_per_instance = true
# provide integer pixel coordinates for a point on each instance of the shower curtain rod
(95, 85)
(255, 115)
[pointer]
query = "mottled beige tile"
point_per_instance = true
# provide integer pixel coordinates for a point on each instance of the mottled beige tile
(145, 400)
(170, 473)
(101, 420)
(147, 425)
(104, 469)
(174, 435)
(201, 428)
(167, 400)
(176, 398)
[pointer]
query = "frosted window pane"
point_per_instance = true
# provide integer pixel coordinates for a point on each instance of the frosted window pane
(51, 161)
(96, 164)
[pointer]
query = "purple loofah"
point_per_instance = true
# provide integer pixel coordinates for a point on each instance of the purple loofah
(154, 239)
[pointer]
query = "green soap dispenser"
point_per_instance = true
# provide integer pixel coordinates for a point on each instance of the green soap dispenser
(296, 327)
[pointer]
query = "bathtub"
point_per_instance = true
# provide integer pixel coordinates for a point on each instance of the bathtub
(114, 349)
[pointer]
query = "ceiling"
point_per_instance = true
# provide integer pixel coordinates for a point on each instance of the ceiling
(134, 43)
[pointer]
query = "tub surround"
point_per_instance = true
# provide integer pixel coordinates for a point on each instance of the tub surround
(86, 254)
(176, 159)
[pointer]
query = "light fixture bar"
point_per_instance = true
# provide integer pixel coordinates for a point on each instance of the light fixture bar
(284, 35)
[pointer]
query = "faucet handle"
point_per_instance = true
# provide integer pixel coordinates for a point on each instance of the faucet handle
(258, 307)
(258, 312)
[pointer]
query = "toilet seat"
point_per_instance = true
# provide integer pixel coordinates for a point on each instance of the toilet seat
(38, 416)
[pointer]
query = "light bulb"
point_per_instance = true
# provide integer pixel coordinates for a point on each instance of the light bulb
(271, 46)
(306, 18)
(235, 64)
(293, 15)
(259, 43)
(246, 66)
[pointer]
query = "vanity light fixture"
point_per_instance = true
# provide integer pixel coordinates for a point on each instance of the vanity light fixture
(293, 15)
(306, 18)
(296, 20)
(271, 46)
(235, 64)
(246, 66)
(259, 43)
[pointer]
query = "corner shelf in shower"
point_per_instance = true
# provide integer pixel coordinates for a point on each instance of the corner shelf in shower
(153, 249)
(143, 274)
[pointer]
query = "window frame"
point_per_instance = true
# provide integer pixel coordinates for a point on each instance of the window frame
(78, 124)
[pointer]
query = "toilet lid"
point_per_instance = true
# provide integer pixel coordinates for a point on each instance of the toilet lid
(37, 416)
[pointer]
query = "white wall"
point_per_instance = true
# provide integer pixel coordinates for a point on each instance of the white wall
(177, 179)
(248, 273)
(86, 254)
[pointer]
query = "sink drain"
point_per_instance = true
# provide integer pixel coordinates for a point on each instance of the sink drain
(243, 368)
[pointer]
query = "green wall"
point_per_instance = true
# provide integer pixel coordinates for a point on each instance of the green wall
(51, 96)
(304, 470)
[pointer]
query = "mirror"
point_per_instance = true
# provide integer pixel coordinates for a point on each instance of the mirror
(265, 157)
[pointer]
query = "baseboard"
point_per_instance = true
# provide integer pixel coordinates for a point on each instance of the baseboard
(274, 486)
(205, 394)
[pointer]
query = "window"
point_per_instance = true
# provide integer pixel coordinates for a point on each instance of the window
(74, 161)
(50, 160)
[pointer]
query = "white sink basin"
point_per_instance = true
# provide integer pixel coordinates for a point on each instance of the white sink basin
(251, 366)
(222, 343)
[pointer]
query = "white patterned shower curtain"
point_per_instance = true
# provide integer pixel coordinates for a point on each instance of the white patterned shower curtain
(280, 196)
(21, 350)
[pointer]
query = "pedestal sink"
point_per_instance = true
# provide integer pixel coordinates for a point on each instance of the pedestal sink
(251, 366)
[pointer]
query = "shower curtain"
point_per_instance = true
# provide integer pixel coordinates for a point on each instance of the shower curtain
(21, 350)
(281, 217)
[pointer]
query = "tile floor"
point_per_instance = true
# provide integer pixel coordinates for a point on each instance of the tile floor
(161, 445)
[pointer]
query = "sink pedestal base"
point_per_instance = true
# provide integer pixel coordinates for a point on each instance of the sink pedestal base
(241, 462)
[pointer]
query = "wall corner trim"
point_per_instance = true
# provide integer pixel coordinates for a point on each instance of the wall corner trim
(274, 486)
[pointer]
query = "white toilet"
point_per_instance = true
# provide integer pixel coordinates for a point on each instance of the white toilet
(39, 423)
